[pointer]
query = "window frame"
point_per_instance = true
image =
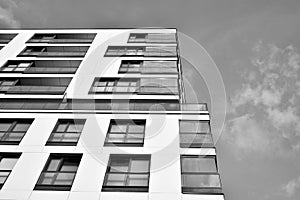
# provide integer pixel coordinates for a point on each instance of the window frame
(65, 132)
(200, 190)
(13, 123)
(128, 123)
(196, 145)
(8, 155)
(114, 85)
(62, 157)
(131, 157)
(8, 37)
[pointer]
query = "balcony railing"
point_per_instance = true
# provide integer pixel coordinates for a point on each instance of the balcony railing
(60, 41)
(50, 70)
(4, 41)
(54, 54)
(90, 105)
(36, 90)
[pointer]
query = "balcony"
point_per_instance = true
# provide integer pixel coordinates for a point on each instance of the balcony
(148, 67)
(146, 51)
(140, 86)
(41, 66)
(6, 38)
(49, 86)
(152, 38)
(63, 38)
(54, 51)
(105, 105)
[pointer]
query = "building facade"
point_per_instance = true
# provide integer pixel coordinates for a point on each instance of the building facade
(101, 114)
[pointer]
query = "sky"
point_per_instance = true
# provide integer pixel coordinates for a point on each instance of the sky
(256, 46)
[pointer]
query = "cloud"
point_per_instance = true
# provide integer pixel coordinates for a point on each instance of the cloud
(292, 187)
(7, 19)
(246, 135)
(284, 118)
(265, 111)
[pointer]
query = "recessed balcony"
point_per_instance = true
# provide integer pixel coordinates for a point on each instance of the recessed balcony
(152, 38)
(34, 85)
(54, 51)
(6, 38)
(41, 66)
(146, 51)
(59, 38)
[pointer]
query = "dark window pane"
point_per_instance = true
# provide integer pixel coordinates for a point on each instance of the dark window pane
(116, 179)
(7, 163)
(3, 177)
(53, 165)
(21, 127)
(201, 180)
(14, 137)
(137, 180)
(61, 127)
(64, 179)
(119, 128)
(4, 126)
(139, 166)
(199, 164)
(133, 128)
(121, 165)
(194, 126)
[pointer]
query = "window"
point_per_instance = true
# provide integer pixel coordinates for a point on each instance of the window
(126, 133)
(130, 66)
(127, 173)
(140, 86)
(5, 85)
(13, 130)
(6, 38)
(17, 67)
(148, 67)
(199, 174)
(7, 163)
(66, 132)
(59, 172)
(113, 85)
(40, 66)
(195, 134)
(152, 38)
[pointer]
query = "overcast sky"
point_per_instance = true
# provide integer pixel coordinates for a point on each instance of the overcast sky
(255, 44)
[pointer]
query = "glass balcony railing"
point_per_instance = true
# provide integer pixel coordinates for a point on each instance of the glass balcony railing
(90, 105)
(50, 70)
(4, 41)
(60, 41)
(54, 54)
(36, 90)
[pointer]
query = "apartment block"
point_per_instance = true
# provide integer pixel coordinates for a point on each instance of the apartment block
(101, 114)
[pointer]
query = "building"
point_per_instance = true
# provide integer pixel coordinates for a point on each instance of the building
(101, 114)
